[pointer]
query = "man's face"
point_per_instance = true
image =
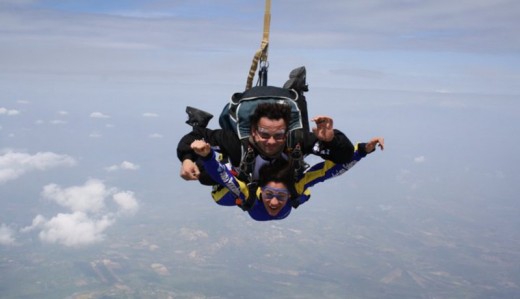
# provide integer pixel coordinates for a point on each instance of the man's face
(270, 136)
(275, 196)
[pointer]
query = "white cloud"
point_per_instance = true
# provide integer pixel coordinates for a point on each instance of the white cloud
(95, 135)
(9, 112)
(63, 112)
(75, 229)
(150, 114)
(127, 202)
(87, 198)
(58, 122)
(129, 166)
(112, 168)
(155, 135)
(13, 164)
(125, 165)
(37, 222)
(419, 159)
(6, 235)
(89, 217)
(99, 115)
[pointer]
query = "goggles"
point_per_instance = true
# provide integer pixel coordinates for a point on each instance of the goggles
(264, 134)
(269, 193)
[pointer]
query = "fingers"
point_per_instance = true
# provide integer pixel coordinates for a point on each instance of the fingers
(323, 120)
(190, 176)
(376, 141)
(380, 141)
(324, 128)
(189, 170)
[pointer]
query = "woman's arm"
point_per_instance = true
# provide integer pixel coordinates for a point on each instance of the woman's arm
(218, 171)
(327, 169)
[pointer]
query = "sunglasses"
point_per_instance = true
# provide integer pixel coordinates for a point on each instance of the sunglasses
(264, 134)
(269, 193)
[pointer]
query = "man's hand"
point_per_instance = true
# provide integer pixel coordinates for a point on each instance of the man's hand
(371, 145)
(324, 130)
(201, 148)
(189, 170)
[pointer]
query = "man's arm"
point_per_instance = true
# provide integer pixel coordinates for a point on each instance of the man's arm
(227, 141)
(189, 169)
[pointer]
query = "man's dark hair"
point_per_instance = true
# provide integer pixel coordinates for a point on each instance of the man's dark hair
(278, 171)
(273, 111)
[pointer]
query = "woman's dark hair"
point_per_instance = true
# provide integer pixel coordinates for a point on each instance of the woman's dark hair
(278, 171)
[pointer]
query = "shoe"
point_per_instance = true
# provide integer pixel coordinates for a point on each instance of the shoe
(297, 79)
(197, 117)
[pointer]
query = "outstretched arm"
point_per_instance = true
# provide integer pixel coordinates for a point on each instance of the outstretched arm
(327, 169)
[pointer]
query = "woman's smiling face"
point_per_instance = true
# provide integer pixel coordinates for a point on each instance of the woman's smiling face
(275, 196)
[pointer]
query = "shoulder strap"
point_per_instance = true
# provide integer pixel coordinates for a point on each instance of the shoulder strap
(245, 173)
(247, 164)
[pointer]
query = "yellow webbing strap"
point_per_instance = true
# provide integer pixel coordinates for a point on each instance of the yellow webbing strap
(261, 54)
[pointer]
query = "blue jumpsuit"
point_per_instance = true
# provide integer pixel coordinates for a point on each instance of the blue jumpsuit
(231, 188)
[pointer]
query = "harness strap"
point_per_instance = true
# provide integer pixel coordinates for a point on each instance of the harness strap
(261, 54)
(246, 169)
(299, 166)
(247, 164)
(294, 144)
(297, 160)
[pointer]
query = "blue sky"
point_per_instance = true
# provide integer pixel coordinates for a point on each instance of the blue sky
(92, 98)
(466, 46)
